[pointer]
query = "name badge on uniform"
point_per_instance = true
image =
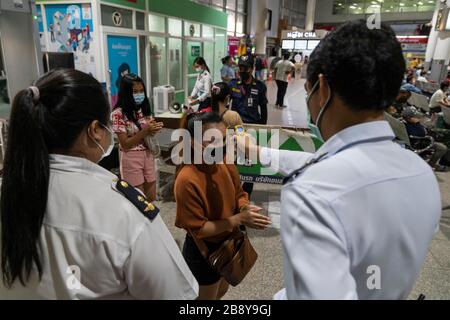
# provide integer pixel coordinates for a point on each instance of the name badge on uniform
(255, 91)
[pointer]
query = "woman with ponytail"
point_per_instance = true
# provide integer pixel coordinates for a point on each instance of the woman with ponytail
(221, 96)
(66, 230)
(201, 94)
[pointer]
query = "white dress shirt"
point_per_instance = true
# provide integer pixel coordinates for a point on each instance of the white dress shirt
(90, 228)
(358, 223)
(202, 88)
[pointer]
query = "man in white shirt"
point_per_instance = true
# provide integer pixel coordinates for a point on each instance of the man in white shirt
(356, 222)
(282, 70)
(439, 99)
(421, 76)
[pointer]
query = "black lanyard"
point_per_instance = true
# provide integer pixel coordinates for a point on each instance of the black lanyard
(296, 172)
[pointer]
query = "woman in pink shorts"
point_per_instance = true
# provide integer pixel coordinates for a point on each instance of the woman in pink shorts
(132, 122)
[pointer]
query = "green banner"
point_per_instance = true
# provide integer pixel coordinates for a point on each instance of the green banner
(288, 139)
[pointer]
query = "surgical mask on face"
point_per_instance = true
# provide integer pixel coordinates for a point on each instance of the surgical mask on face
(139, 98)
(315, 129)
(199, 70)
(111, 144)
(245, 75)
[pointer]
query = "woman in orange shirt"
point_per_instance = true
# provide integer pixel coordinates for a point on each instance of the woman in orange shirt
(210, 203)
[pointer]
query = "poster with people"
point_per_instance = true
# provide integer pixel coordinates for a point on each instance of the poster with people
(70, 28)
(122, 56)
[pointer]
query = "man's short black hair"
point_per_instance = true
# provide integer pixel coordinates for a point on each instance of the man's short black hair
(444, 84)
(286, 55)
(364, 67)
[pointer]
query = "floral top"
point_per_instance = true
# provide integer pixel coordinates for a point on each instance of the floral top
(121, 124)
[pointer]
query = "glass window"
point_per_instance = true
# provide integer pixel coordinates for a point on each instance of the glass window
(426, 5)
(407, 6)
(208, 32)
(242, 6)
(218, 3)
(156, 23)
(116, 17)
(158, 61)
(140, 20)
(389, 6)
(231, 5)
(339, 7)
(208, 54)
(175, 63)
(356, 7)
(191, 29)
(240, 23)
(220, 51)
(175, 27)
(231, 21)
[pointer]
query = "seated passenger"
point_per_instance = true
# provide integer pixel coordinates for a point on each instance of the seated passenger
(439, 98)
(415, 128)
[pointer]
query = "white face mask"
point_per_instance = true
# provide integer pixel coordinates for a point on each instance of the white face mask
(111, 144)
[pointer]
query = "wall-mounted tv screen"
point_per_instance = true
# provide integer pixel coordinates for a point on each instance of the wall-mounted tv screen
(288, 44)
(312, 44)
(301, 44)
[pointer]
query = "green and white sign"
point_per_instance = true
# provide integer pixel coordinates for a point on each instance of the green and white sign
(276, 137)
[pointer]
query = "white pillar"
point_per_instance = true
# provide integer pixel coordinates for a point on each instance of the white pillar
(432, 39)
(259, 10)
(441, 56)
(310, 15)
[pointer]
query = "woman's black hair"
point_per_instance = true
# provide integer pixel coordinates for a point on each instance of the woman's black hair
(201, 62)
(126, 102)
(122, 68)
(226, 59)
(45, 120)
(219, 92)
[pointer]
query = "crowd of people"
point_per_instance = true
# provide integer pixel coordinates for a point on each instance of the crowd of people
(424, 121)
(339, 206)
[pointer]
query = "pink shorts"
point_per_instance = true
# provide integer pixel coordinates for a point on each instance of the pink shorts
(137, 167)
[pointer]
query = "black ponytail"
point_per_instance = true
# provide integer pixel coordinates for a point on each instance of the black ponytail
(201, 62)
(219, 92)
(47, 118)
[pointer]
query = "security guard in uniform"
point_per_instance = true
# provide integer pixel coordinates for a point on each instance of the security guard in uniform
(248, 95)
(89, 235)
(357, 216)
(249, 99)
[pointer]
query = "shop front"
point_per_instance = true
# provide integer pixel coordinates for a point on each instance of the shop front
(158, 40)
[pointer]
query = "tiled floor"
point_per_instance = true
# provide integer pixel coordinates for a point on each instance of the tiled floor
(266, 278)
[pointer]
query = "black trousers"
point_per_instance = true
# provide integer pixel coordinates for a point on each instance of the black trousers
(281, 92)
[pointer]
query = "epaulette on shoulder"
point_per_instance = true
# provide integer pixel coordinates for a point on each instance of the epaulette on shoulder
(132, 194)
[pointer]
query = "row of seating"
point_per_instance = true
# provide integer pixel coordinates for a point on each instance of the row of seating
(422, 102)
(429, 87)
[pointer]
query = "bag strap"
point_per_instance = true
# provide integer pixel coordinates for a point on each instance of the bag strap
(200, 244)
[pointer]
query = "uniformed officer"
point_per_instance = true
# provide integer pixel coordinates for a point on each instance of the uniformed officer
(248, 95)
(357, 216)
(249, 98)
(70, 229)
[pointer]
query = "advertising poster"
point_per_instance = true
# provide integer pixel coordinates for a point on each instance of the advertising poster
(287, 140)
(122, 55)
(70, 29)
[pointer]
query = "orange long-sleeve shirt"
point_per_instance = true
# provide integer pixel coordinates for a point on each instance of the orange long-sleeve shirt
(207, 193)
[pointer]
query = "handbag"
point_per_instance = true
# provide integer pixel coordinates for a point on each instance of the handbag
(233, 259)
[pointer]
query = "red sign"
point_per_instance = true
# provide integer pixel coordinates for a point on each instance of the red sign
(233, 45)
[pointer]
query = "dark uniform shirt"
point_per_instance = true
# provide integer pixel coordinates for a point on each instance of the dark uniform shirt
(249, 100)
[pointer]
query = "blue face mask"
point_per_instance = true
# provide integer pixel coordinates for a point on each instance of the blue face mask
(139, 98)
(314, 127)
